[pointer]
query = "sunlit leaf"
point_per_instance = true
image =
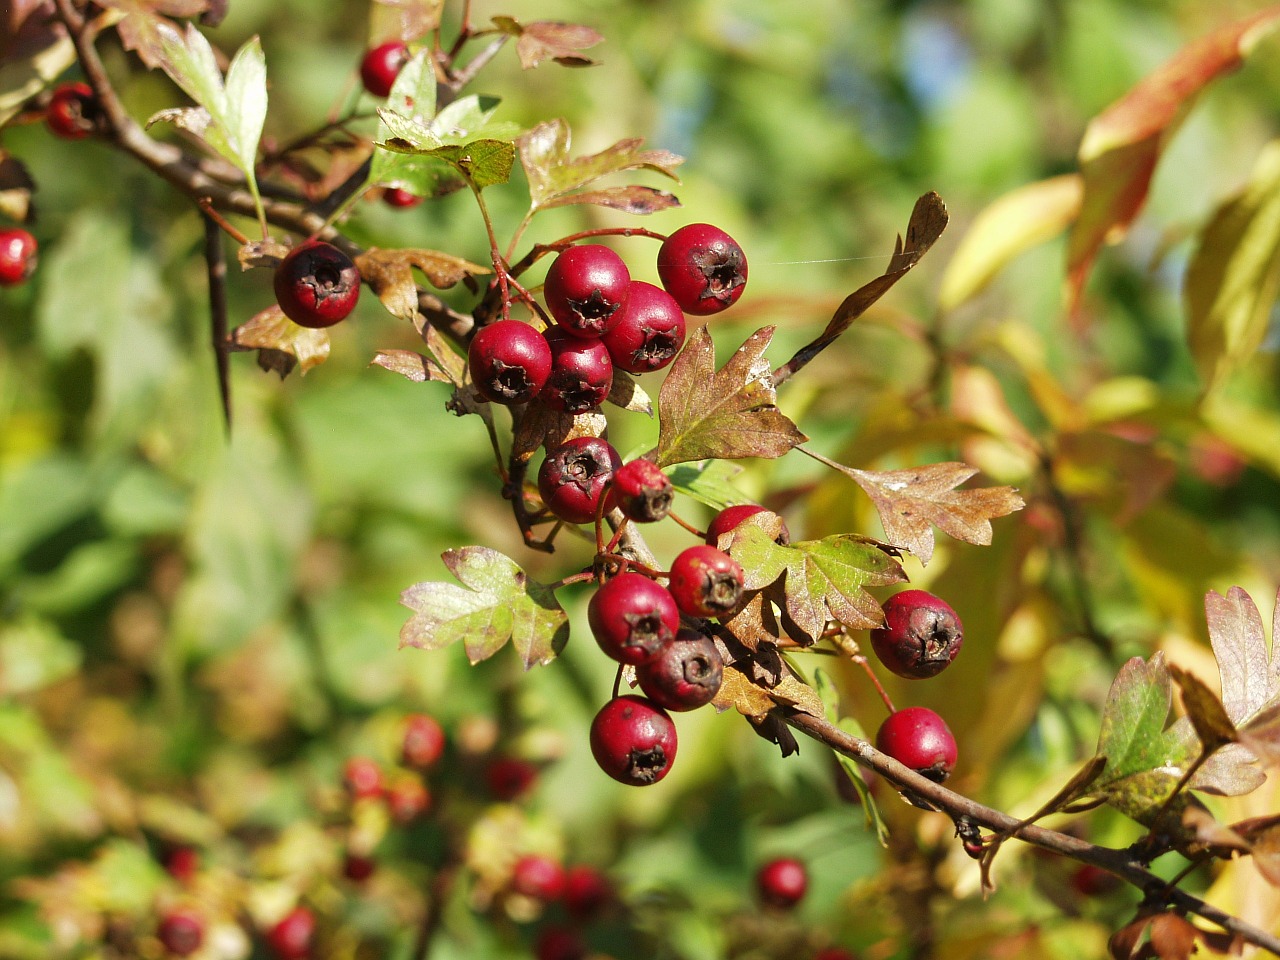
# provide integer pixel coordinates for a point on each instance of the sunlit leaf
(281, 342)
(550, 40)
(411, 365)
(629, 395)
(405, 20)
(1205, 711)
(140, 24)
(708, 481)
(389, 274)
(463, 134)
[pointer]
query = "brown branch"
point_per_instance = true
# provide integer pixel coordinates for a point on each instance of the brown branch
(216, 263)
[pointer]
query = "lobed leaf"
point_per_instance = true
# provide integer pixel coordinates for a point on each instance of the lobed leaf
(141, 24)
(550, 40)
(463, 135)
(280, 342)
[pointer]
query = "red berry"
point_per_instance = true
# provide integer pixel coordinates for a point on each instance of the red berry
(920, 637)
(317, 284)
(574, 476)
(423, 742)
(730, 518)
(559, 943)
(586, 288)
(73, 111)
(17, 256)
(918, 738)
(684, 674)
(633, 740)
(632, 617)
(182, 863)
(362, 778)
(706, 582)
(407, 799)
(1091, 881)
(509, 361)
(782, 882)
(642, 491)
(538, 877)
(650, 331)
(358, 867)
(581, 373)
(834, 953)
(381, 66)
(587, 891)
(509, 777)
(290, 939)
(181, 932)
(400, 198)
(703, 268)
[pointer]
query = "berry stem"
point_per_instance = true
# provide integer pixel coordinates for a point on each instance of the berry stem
(206, 207)
(862, 662)
(625, 563)
(700, 534)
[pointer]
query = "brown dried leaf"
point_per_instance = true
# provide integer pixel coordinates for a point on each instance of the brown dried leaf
(440, 350)
(541, 426)
(140, 21)
(390, 275)
(550, 40)
(738, 691)
(261, 253)
(633, 199)
(754, 622)
(791, 692)
(1205, 711)
(411, 365)
(629, 395)
(280, 342)
(1250, 678)
(1173, 937)
(16, 187)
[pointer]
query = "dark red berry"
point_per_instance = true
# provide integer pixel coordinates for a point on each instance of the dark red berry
(1092, 881)
(362, 778)
(73, 111)
(918, 738)
(181, 932)
(706, 582)
(17, 256)
(509, 361)
(586, 288)
(632, 617)
(574, 476)
(731, 517)
(559, 943)
(920, 637)
(782, 882)
(358, 867)
(400, 198)
(703, 268)
(684, 674)
(290, 939)
(581, 373)
(642, 491)
(407, 799)
(538, 877)
(381, 66)
(423, 742)
(633, 740)
(587, 892)
(650, 331)
(510, 777)
(182, 863)
(317, 284)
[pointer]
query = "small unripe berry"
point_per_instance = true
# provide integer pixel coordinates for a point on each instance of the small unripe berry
(574, 476)
(362, 778)
(538, 877)
(633, 740)
(316, 284)
(400, 198)
(423, 742)
(290, 939)
(918, 738)
(782, 882)
(632, 617)
(560, 943)
(642, 491)
(586, 288)
(181, 932)
(510, 777)
(73, 111)
(684, 674)
(703, 268)
(381, 66)
(730, 518)
(509, 362)
(920, 637)
(650, 331)
(581, 373)
(17, 256)
(706, 582)
(587, 891)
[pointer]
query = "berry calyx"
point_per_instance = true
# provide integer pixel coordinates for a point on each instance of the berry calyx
(559, 943)
(581, 373)
(650, 331)
(632, 618)
(509, 362)
(587, 892)
(586, 288)
(706, 582)
(538, 877)
(684, 674)
(423, 743)
(730, 518)
(918, 738)
(73, 111)
(317, 284)
(400, 198)
(642, 491)
(290, 939)
(920, 637)
(703, 268)
(17, 256)
(633, 740)
(181, 932)
(381, 66)
(363, 778)
(510, 777)
(782, 882)
(574, 476)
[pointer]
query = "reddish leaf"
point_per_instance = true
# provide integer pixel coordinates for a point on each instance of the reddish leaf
(634, 199)
(550, 40)
(1205, 710)
(1122, 144)
(281, 342)
(1250, 678)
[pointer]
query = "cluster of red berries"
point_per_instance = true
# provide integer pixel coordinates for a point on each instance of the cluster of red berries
(583, 891)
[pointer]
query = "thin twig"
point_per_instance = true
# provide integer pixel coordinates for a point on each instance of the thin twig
(216, 262)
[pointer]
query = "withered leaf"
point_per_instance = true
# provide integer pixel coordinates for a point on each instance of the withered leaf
(754, 621)
(16, 187)
(411, 365)
(1205, 710)
(390, 275)
(406, 20)
(271, 332)
(628, 394)
(1172, 937)
(261, 253)
(634, 199)
(541, 426)
(550, 40)
(139, 24)
(445, 357)
(726, 414)
(496, 603)
(738, 691)
(792, 692)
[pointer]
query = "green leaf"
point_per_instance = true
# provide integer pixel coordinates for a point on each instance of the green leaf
(831, 700)
(497, 602)
(463, 135)
(708, 481)
(246, 99)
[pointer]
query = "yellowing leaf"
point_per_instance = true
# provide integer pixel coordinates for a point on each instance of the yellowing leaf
(390, 275)
(281, 343)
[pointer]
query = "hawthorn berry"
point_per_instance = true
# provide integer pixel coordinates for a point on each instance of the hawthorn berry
(581, 373)
(782, 882)
(632, 617)
(400, 198)
(181, 932)
(706, 582)
(731, 517)
(316, 284)
(559, 943)
(17, 256)
(423, 743)
(539, 877)
(73, 111)
(918, 738)
(920, 637)
(510, 777)
(684, 674)
(1092, 881)
(509, 362)
(381, 66)
(358, 867)
(407, 799)
(650, 331)
(633, 740)
(182, 863)
(586, 288)
(703, 268)
(587, 891)
(574, 476)
(363, 778)
(642, 491)
(290, 939)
